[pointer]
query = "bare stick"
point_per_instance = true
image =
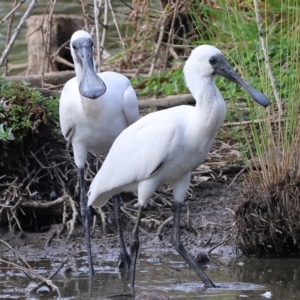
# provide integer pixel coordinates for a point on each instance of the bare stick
(170, 34)
(34, 273)
(61, 47)
(8, 34)
(40, 204)
(71, 223)
(54, 78)
(103, 219)
(236, 176)
(47, 40)
(16, 252)
(162, 225)
(105, 24)
(161, 34)
(17, 221)
(96, 19)
(224, 239)
(266, 56)
(84, 14)
(118, 30)
(12, 11)
(17, 31)
(63, 61)
(167, 101)
(51, 276)
(126, 4)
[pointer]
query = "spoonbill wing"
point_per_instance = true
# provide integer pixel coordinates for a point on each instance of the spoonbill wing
(133, 157)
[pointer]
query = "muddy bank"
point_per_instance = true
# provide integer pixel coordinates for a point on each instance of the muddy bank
(207, 221)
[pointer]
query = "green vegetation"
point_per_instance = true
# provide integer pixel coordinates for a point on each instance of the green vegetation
(165, 83)
(24, 110)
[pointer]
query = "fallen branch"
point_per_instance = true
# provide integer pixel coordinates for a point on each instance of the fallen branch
(16, 252)
(53, 78)
(224, 239)
(162, 225)
(34, 273)
(167, 101)
(33, 289)
(42, 203)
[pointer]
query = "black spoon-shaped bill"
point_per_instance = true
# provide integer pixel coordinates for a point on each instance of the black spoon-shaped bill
(222, 67)
(91, 85)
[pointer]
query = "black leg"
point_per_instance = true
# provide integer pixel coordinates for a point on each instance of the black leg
(124, 257)
(86, 219)
(135, 245)
(177, 243)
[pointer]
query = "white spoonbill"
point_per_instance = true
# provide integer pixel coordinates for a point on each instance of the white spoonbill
(166, 146)
(93, 110)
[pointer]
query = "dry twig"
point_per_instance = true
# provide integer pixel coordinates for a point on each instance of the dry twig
(105, 26)
(17, 31)
(71, 223)
(51, 276)
(16, 6)
(162, 225)
(97, 5)
(47, 40)
(34, 273)
(170, 34)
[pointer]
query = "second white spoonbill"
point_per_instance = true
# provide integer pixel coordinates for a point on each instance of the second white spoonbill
(93, 110)
(166, 146)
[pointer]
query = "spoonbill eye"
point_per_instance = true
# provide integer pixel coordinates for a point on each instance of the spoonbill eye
(213, 60)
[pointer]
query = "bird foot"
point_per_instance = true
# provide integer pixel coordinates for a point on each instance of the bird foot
(124, 260)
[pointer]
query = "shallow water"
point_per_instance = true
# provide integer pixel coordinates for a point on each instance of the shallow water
(161, 272)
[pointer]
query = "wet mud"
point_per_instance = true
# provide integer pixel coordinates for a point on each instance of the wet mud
(207, 221)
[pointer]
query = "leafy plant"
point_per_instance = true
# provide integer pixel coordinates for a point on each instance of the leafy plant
(24, 110)
(6, 134)
(165, 83)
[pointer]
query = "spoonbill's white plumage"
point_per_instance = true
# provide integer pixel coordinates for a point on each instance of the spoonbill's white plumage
(166, 146)
(94, 109)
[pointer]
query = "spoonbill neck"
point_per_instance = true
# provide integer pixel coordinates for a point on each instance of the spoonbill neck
(210, 106)
(205, 92)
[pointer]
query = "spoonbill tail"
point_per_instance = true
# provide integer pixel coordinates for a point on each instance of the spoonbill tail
(93, 110)
(166, 146)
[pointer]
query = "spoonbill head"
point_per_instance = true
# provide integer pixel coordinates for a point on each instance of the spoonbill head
(90, 84)
(206, 61)
(166, 146)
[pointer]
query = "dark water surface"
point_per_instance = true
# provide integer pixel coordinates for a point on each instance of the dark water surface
(165, 273)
